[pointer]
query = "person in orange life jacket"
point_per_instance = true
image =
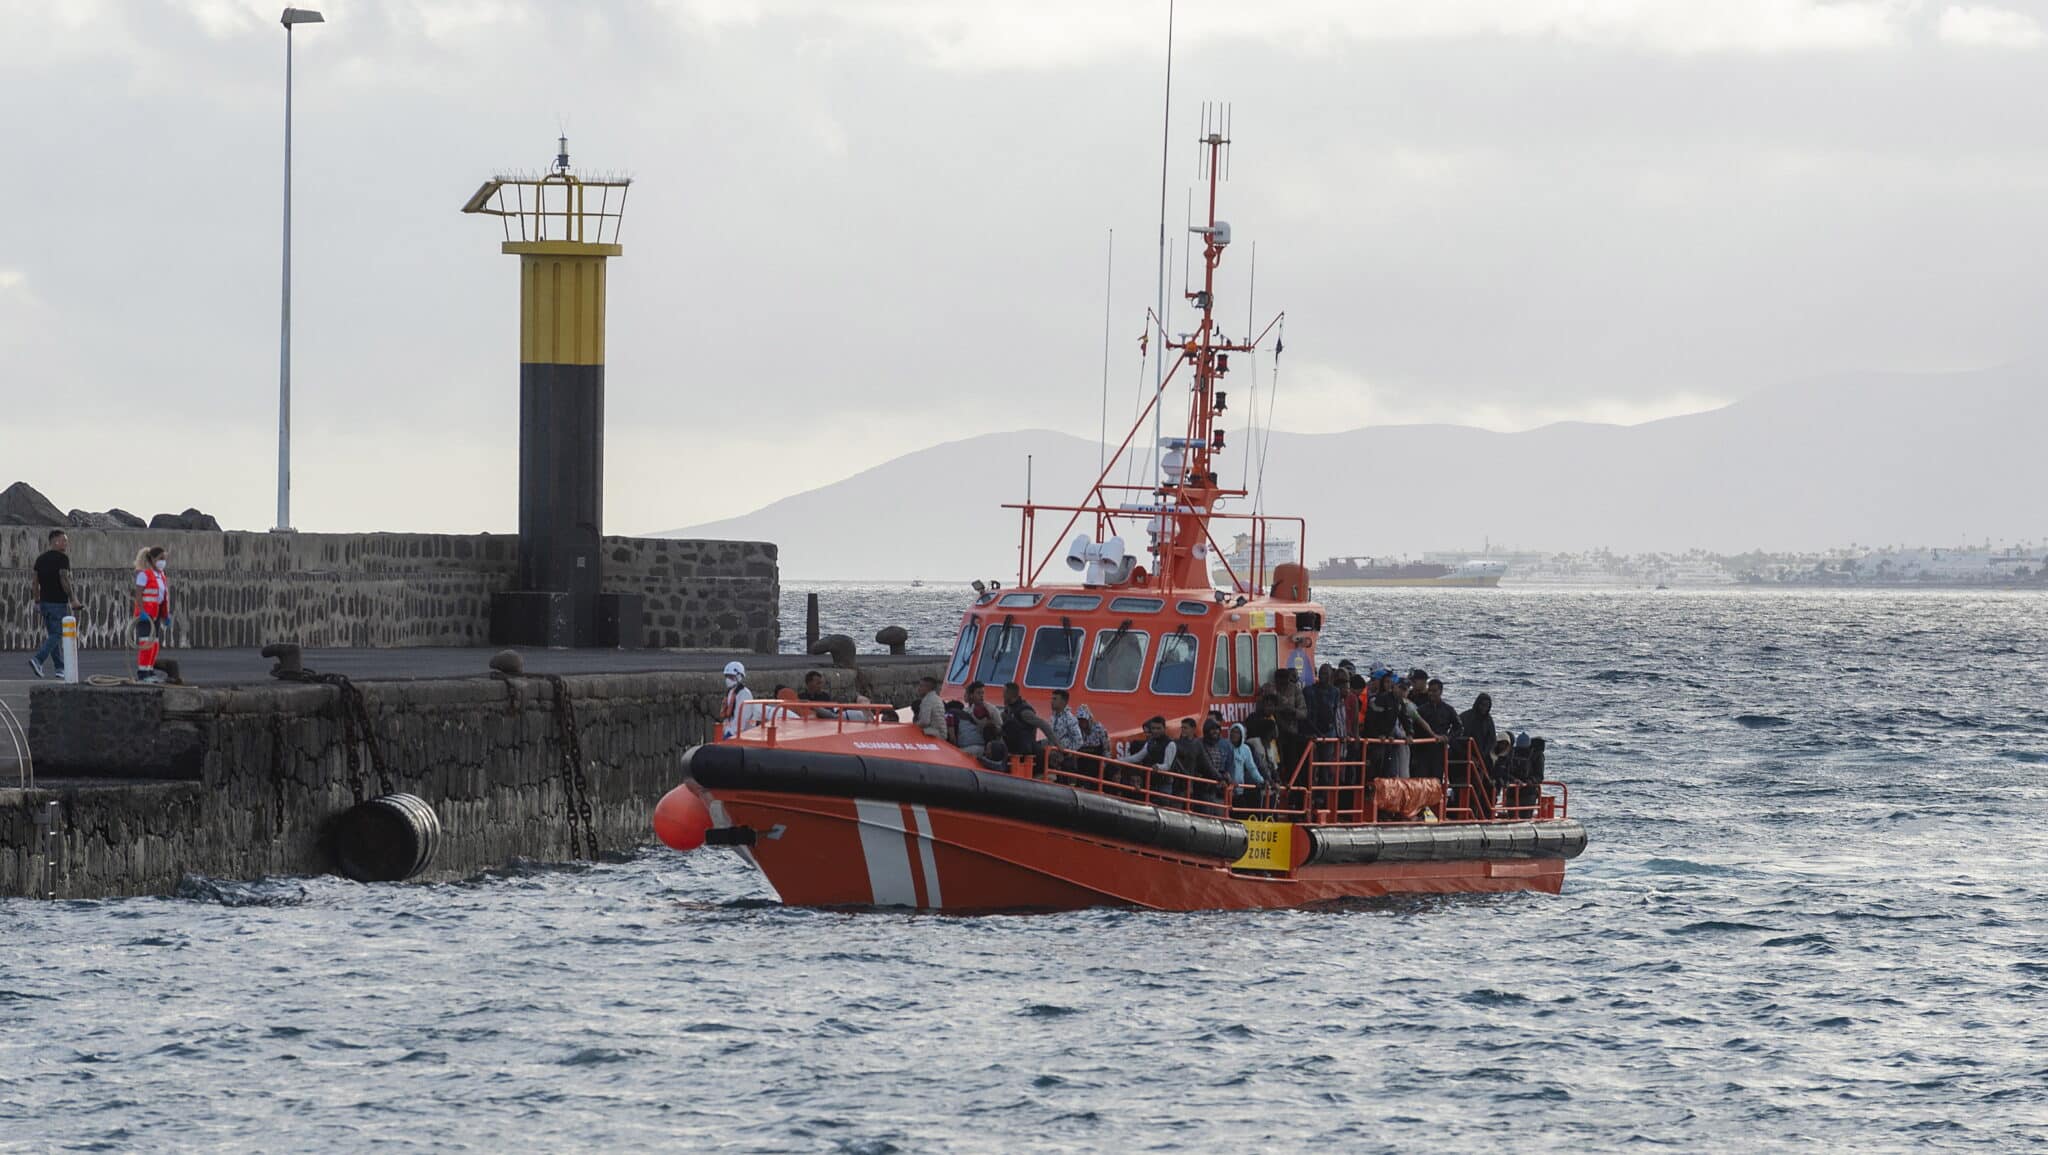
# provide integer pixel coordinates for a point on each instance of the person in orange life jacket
(736, 696)
(152, 609)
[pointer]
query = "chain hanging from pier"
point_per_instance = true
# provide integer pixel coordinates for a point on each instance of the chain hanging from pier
(575, 786)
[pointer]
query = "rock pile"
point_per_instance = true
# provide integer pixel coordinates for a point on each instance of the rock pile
(22, 504)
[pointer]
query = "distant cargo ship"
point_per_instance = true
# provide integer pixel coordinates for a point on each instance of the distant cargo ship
(1365, 571)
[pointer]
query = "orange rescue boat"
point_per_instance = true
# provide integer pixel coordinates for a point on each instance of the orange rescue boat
(856, 806)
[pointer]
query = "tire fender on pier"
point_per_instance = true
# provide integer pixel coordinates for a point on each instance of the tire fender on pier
(390, 838)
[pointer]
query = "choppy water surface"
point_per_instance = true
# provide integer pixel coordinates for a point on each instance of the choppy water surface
(1812, 916)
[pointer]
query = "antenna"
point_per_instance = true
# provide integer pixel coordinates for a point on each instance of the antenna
(562, 153)
(1165, 149)
(1108, 289)
(1215, 129)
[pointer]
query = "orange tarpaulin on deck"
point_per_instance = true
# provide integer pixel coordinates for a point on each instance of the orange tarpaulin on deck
(1405, 798)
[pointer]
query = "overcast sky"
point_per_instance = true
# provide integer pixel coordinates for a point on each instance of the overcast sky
(860, 228)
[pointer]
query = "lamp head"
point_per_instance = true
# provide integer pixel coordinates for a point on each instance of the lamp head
(300, 16)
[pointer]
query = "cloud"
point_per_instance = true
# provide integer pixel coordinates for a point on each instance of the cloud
(1320, 397)
(1981, 26)
(1057, 33)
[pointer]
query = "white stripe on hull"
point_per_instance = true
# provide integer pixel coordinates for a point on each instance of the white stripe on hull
(888, 857)
(924, 854)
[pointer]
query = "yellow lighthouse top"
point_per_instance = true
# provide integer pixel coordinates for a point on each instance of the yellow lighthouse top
(552, 213)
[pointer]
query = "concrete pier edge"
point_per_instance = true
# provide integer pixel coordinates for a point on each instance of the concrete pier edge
(241, 782)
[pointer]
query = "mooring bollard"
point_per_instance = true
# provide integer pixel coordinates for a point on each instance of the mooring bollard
(70, 649)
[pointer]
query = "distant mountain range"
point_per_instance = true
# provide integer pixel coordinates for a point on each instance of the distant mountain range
(1872, 458)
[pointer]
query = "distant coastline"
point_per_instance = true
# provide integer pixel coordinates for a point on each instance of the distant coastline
(2016, 567)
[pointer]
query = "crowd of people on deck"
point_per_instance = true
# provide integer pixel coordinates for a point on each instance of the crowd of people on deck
(1349, 726)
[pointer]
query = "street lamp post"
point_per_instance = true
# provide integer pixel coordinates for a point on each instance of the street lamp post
(284, 339)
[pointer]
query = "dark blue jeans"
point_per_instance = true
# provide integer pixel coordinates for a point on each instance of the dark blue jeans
(53, 646)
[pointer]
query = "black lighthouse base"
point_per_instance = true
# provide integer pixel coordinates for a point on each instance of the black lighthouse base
(552, 619)
(545, 618)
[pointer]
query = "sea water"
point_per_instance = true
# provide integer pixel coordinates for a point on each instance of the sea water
(1813, 916)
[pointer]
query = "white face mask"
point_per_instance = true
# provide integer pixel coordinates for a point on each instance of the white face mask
(161, 564)
(731, 681)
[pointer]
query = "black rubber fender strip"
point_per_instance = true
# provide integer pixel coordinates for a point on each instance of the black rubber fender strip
(796, 771)
(1446, 842)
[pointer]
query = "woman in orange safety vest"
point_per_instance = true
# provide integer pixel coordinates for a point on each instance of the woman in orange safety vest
(152, 606)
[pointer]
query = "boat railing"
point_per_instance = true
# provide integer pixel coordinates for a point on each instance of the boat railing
(1158, 786)
(1333, 783)
(761, 719)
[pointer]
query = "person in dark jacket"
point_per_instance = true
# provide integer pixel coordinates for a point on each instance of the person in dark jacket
(1155, 750)
(1189, 761)
(1220, 759)
(1382, 715)
(1324, 699)
(1442, 718)
(1477, 724)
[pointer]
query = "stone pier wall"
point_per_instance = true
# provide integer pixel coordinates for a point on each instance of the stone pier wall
(381, 589)
(241, 783)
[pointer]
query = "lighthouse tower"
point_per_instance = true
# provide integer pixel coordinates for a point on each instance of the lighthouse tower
(563, 228)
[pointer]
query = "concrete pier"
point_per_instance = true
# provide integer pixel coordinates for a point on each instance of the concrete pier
(240, 776)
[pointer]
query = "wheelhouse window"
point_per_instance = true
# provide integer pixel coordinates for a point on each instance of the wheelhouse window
(1119, 661)
(1055, 656)
(1219, 678)
(1000, 649)
(1269, 657)
(1247, 678)
(1173, 672)
(1074, 602)
(1192, 609)
(963, 654)
(1137, 605)
(1017, 601)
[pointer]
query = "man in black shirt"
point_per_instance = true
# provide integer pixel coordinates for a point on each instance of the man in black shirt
(814, 688)
(54, 599)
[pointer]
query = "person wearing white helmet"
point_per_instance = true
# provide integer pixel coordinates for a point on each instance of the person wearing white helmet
(736, 695)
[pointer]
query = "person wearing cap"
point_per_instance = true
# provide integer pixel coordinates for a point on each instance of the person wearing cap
(736, 696)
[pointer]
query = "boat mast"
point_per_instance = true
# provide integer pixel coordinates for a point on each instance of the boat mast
(1188, 495)
(1165, 148)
